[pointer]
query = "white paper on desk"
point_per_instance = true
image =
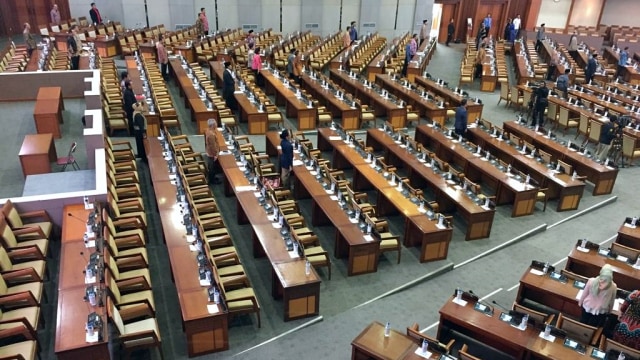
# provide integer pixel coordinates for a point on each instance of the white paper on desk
(173, 182)
(213, 308)
(239, 163)
(90, 235)
(459, 302)
(617, 303)
(368, 238)
(536, 272)
(329, 191)
(244, 188)
(548, 338)
(440, 226)
(257, 194)
(333, 197)
(425, 355)
(629, 226)
(313, 173)
(193, 248)
(276, 225)
(238, 92)
(172, 176)
(297, 162)
(457, 187)
(88, 206)
(309, 168)
(581, 249)
(422, 210)
(205, 282)
(270, 217)
(242, 168)
(91, 280)
(191, 239)
(486, 207)
(293, 254)
(622, 258)
(579, 295)
(610, 168)
(92, 338)
(90, 244)
(403, 146)
(279, 147)
(333, 138)
(451, 182)
(353, 221)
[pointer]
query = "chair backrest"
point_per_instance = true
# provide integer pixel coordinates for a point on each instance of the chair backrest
(546, 157)
(628, 145)
(539, 317)
(5, 261)
(115, 317)
(596, 129)
(625, 251)
(608, 344)
(583, 126)
(567, 168)
(7, 235)
(576, 330)
(72, 148)
(504, 89)
(464, 355)
(12, 215)
(563, 118)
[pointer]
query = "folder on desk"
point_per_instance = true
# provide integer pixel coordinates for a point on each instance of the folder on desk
(570, 343)
(558, 277)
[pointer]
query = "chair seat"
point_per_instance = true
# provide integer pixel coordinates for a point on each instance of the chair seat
(223, 251)
(134, 232)
(37, 265)
(239, 305)
(540, 196)
(324, 117)
(136, 273)
(65, 160)
(31, 313)
(231, 270)
(636, 153)
(142, 326)
(313, 251)
(274, 117)
(42, 244)
(388, 244)
(572, 123)
(412, 117)
(317, 259)
(35, 288)
(240, 294)
(451, 113)
(137, 297)
(45, 226)
(368, 116)
(134, 251)
(26, 349)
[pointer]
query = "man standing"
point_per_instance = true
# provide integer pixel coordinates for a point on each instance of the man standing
(163, 58)
(517, 22)
(539, 37)
(55, 14)
(290, 58)
(410, 51)
(460, 124)
(487, 23)
(251, 39)
(74, 44)
(479, 60)
(95, 14)
(592, 66)
(129, 99)
(542, 94)
(622, 61)
(354, 32)
(451, 29)
(607, 134)
(228, 87)
(28, 39)
(205, 22)
(286, 159)
(563, 83)
(346, 38)
(424, 32)
(140, 129)
(212, 149)
(572, 47)
(553, 65)
(297, 67)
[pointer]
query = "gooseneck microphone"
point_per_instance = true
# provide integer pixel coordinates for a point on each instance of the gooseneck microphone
(77, 218)
(500, 306)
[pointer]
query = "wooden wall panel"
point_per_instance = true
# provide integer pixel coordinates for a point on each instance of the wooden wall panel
(14, 13)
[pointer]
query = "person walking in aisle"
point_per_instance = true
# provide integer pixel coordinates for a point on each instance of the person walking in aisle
(297, 67)
(346, 38)
(28, 39)
(212, 149)
(410, 51)
(205, 22)
(622, 61)
(290, 58)
(129, 99)
(592, 66)
(541, 103)
(451, 29)
(163, 58)
(256, 66)
(608, 133)
(563, 83)
(286, 159)
(487, 23)
(94, 13)
(540, 37)
(354, 32)
(74, 44)
(572, 47)
(140, 129)
(424, 32)
(517, 22)
(460, 124)
(228, 87)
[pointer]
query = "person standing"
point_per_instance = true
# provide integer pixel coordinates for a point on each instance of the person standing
(205, 22)
(228, 86)
(140, 129)
(74, 44)
(28, 39)
(129, 99)
(627, 332)
(479, 60)
(592, 66)
(460, 124)
(451, 29)
(517, 23)
(598, 297)
(256, 66)
(424, 32)
(297, 66)
(55, 14)
(542, 101)
(553, 64)
(94, 13)
(212, 149)
(163, 58)
(346, 38)
(124, 77)
(487, 23)
(354, 32)
(572, 47)
(251, 39)
(290, 58)
(607, 134)
(540, 37)
(482, 34)
(410, 51)
(563, 83)
(508, 28)
(622, 61)
(286, 159)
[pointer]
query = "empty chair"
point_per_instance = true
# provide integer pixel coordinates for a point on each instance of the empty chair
(64, 161)
(539, 317)
(578, 331)
(464, 355)
(23, 350)
(19, 220)
(136, 335)
(25, 248)
(608, 344)
(34, 270)
(20, 295)
(564, 120)
(505, 94)
(629, 149)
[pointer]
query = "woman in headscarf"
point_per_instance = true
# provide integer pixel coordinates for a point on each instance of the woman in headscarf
(598, 297)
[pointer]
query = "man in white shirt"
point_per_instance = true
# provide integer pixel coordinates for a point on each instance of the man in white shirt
(424, 32)
(516, 25)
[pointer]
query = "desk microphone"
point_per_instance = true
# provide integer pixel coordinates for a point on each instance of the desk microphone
(500, 306)
(482, 302)
(77, 218)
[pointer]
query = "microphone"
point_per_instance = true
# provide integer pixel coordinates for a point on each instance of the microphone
(500, 306)
(489, 309)
(75, 217)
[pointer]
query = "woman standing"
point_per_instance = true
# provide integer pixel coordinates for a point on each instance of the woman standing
(627, 332)
(297, 66)
(140, 129)
(598, 297)
(256, 65)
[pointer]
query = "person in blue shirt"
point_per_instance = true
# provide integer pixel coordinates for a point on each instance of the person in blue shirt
(286, 159)
(487, 22)
(353, 32)
(460, 124)
(622, 61)
(592, 66)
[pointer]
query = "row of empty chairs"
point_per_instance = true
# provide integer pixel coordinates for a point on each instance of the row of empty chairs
(361, 56)
(225, 116)
(300, 41)
(322, 54)
(112, 100)
(14, 58)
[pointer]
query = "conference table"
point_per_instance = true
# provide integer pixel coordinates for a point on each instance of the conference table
(630, 74)
(560, 295)
(371, 343)
(603, 177)
(338, 108)
(453, 98)
(383, 106)
(37, 153)
(419, 229)
(47, 112)
(501, 335)
(137, 85)
(206, 332)
(522, 73)
(192, 100)
(588, 264)
(300, 292)
(72, 308)
(629, 235)
(508, 190)
(295, 106)
(449, 197)
(559, 186)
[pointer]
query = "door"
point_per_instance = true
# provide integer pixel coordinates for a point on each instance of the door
(497, 11)
(14, 13)
(448, 13)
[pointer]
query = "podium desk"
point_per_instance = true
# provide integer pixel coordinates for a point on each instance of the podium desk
(372, 344)
(47, 112)
(37, 153)
(589, 263)
(629, 236)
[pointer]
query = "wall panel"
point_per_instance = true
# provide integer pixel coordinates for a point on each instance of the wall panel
(227, 14)
(554, 14)
(621, 12)
(158, 14)
(184, 12)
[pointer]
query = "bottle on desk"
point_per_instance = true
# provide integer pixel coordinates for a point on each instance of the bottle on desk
(387, 329)
(425, 346)
(546, 268)
(307, 268)
(524, 322)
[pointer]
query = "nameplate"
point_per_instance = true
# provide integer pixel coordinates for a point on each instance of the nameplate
(353, 220)
(297, 162)
(334, 138)
(581, 249)
(193, 248)
(333, 197)
(205, 283)
(629, 226)
(88, 206)
(603, 252)
(550, 338)
(244, 188)
(441, 226)
(239, 164)
(91, 280)
(92, 338)
(329, 191)
(425, 354)
(368, 238)
(536, 272)
(213, 308)
(257, 194)
(172, 176)
(293, 254)
(622, 258)
(459, 302)
(314, 173)
(276, 225)
(90, 244)
(191, 239)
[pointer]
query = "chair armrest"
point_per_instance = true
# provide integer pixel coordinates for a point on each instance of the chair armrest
(30, 272)
(126, 222)
(138, 337)
(14, 331)
(22, 299)
(132, 261)
(235, 280)
(28, 230)
(227, 257)
(139, 283)
(30, 251)
(36, 214)
(137, 311)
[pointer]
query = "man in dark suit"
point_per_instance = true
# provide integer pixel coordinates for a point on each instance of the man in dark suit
(95, 14)
(73, 47)
(129, 100)
(451, 29)
(460, 124)
(228, 87)
(592, 66)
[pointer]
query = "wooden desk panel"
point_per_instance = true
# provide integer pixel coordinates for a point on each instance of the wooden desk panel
(153, 119)
(350, 116)
(37, 153)
(589, 265)
(629, 236)
(295, 107)
(372, 344)
(552, 293)
(199, 112)
(206, 333)
(47, 112)
(474, 109)
(257, 120)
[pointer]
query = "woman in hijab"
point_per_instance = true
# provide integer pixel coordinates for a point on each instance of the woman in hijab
(598, 297)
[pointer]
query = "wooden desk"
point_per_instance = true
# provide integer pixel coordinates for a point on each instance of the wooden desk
(522, 73)
(37, 153)
(206, 333)
(153, 119)
(72, 309)
(560, 186)
(500, 335)
(107, 46)
(601, 176)
(589, 264)
(295, 107)
(479, 220)
(474, 109)
(339, 109)
(372, 344)
(47, 113)
(544, 290)
(629, 236)
(629, 74)
(199, 111)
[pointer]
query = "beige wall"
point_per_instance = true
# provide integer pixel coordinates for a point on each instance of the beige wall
(586, 12)
(621, 12)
